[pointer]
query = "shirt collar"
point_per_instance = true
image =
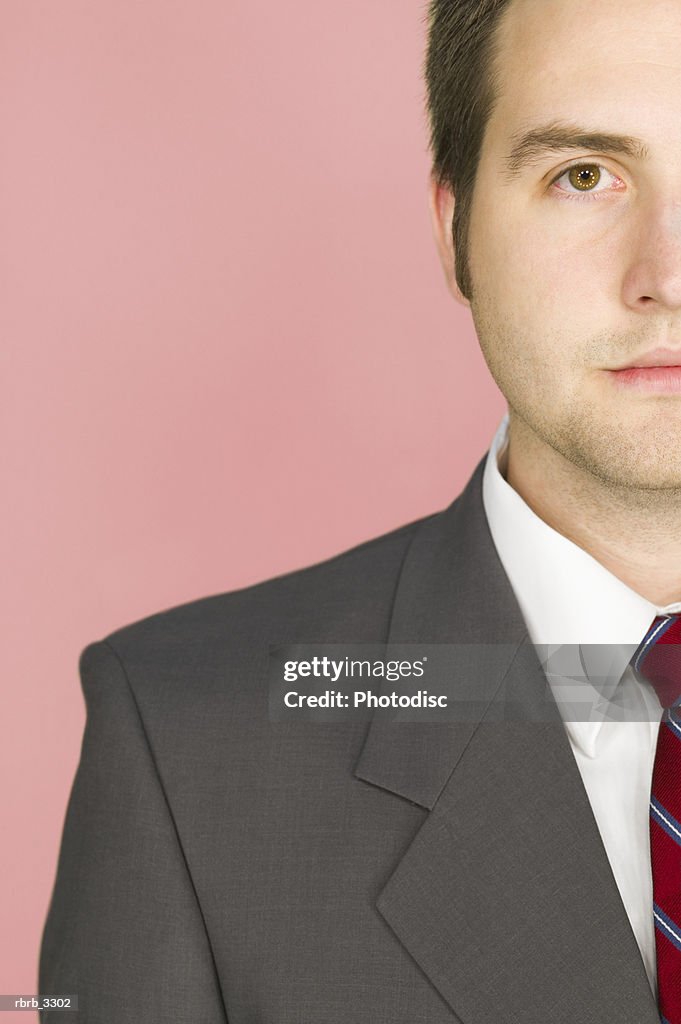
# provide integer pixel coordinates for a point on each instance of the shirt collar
(566, 597)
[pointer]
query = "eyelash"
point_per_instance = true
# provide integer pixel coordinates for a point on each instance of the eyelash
(589, 196)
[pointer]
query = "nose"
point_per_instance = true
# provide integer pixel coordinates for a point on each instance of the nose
(652, 282)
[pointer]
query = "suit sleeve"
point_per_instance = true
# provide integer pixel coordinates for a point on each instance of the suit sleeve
(124, 931)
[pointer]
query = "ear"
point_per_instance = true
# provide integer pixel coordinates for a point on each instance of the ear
(441, 202)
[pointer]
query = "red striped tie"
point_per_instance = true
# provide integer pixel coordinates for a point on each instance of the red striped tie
(658, 659)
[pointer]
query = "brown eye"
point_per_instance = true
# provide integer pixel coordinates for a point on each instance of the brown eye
(584, 177)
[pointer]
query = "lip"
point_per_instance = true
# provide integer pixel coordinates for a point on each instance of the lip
(657, 372)
(651, 380)
(656, 357)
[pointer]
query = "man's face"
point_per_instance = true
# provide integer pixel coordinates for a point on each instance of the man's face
(577, 273)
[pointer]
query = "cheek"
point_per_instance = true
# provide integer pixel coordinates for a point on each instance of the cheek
(524, 315)
(543, 280)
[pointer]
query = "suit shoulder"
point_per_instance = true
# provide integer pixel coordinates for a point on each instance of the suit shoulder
(351, 588)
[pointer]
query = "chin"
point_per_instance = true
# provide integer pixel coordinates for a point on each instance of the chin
(650, 476)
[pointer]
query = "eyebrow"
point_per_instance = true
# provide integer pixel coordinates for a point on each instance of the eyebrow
(530, 146)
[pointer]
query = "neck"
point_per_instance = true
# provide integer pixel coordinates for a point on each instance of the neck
(633, 533)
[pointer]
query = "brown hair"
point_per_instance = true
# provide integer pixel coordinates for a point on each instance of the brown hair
(461, 92)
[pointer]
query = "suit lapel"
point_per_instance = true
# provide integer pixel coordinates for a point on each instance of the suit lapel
(505, 898)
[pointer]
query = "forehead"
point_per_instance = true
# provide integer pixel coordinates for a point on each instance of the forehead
(581, 57)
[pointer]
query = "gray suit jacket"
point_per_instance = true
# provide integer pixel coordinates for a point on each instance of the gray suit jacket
(216, 866)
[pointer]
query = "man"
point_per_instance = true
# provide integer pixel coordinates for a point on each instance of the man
(218, 865)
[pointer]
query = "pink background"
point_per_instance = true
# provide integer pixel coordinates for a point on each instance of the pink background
(228, 347)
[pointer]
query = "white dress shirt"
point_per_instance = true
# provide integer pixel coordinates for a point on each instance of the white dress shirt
(569, 598)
